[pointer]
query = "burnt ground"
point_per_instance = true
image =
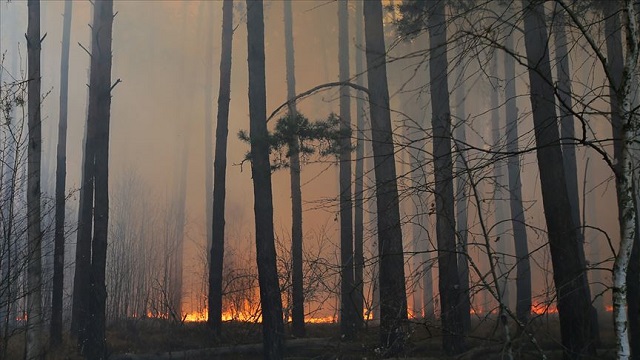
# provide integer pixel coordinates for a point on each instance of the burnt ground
(147, 339)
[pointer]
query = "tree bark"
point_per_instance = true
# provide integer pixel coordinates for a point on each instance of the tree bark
(85, 215)
(347, 305)
(208, 127)
(393, 301)
(61, 174)
(523, 268)
(449, 280)
(297, 308)
(220, 168)
(567, 132)
(35, 346)
(272, 327)
(358, 198)
(101, 65)
(624, 123)
(572, 296)
(461, 198)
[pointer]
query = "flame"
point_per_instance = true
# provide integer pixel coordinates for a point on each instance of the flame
(543, 308)
(22, 318)
(322, 320)
(608, 308)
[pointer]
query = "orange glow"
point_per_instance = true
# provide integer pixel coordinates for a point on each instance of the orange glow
(608, 308)
(322, 320)
(542, 308)
(22, 318)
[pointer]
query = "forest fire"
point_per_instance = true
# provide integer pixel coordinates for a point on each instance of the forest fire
(543, 308)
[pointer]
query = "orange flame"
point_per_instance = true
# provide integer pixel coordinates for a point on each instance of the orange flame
(543, 308)
(608, 308)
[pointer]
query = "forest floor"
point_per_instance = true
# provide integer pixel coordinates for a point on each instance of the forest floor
(147, 339)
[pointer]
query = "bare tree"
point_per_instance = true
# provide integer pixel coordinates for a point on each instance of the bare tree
(220, 167)
(568, 270)
(393, 301)
(449, 281)
(297, 306)
(61, 173)
(272, 326)
(347, 305)
(35, 346)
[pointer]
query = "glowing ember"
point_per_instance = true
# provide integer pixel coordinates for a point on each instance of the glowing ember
(22, 318)
(322, 320)
(608, 308)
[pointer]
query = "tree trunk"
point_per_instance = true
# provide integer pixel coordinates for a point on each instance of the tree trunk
(393, 301)
(449, 281)
(35, 346)
(61, 173)
(101, 65)
(297, 311)
(624, 123)
(572, 296)
(220, 168)
(85, 216)
(272, 327)
(208, 128)
(567, 132)
(461, 198)
(500, 215)
(523, 269)
(358, 216)
(347, 305)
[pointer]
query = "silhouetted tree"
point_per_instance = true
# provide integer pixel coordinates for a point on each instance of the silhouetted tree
(568, 271)
(61, 173)
(34, 346)
(393, 301)
(272, 327)
(220, 167)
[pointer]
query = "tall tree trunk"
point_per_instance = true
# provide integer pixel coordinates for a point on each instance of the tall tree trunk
(35, 346)
(208, 127)
(500, 215)
(523, 269)
(101, 65)
(297, 311)
(85, 215)
(623, 70)
(572, 296)
(449, 281)
(347, 305)
(358, 197)
(220, 169)
(272, 327)
(61, 174)
(393, 301)
(567, 131)
(461, 198)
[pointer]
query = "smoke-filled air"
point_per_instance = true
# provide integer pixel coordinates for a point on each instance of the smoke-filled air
(316, 179)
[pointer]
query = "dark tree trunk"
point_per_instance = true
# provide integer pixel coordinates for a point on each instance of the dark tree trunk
(220, 169)
(358, 216)
(523, 269)
(85, 215)
(449, 280)
(35, 348)
(347, 305)
(272, 327)
(61, 174)
(393, 301)
(297, 311)
(461, 196)
(567, 132)
(101, 65)
(613, 36)
(572, 296)
(208, 127)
